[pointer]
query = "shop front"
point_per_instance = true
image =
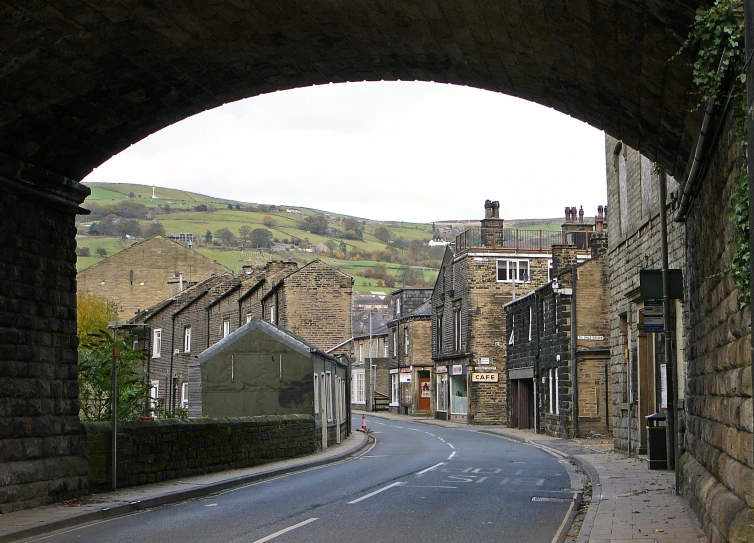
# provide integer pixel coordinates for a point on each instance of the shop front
(442, 393)
(459, 393)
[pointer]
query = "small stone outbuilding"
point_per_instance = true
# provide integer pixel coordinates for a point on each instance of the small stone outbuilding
(261, 369)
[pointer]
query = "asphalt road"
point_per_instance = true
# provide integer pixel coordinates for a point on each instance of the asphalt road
(418, 483)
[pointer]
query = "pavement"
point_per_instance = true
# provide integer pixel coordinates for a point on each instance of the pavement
(628, 502)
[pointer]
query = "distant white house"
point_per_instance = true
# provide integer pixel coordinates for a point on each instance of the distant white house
(438, 243)
(292, 210)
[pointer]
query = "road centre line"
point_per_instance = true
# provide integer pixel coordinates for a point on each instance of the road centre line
(452, 455)
(357, 500)
(286, 530)
(430, 468)
(430, 434)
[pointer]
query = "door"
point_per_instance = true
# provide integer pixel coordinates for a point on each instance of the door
(425, 394)
(522, 403)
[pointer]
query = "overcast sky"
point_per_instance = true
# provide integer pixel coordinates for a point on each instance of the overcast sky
(390, 151)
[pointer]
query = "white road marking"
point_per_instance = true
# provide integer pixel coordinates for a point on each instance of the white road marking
(451, 446)
(414, 430)
(285, 530)
(482, 479)
(452, 455)
(430, 434)
(430, 468)
(357, 500)
(429, 486)
(519, 472)
(210, 505)
(561, 528)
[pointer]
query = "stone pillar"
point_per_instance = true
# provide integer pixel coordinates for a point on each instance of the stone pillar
(42, 452)
(598, 244)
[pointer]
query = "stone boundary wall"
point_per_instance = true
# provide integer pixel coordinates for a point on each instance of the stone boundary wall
(154, 451)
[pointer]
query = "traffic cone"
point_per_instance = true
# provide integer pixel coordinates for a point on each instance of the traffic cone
(364, 422)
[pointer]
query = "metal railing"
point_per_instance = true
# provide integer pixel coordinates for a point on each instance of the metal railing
(519, 240)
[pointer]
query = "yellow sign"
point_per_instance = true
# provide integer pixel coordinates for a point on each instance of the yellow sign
(485, 377)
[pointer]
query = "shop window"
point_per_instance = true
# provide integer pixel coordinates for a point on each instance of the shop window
(395, 389)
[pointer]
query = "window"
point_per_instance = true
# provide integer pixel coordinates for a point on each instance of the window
(511, 341)
(273, 314)
(329, 397)
(554, 392)
(395, 342)
(316, 393)
(530, 321)
(361, 351)
(156, 343)
(248, 317)
(184, 396)
(395, 389)
(187, 339)
(438, 337)
(405, 341)
(549, 271)
(357, 387)
(226, 327)
(387, 353)
(154, 395)
(457, 329)
(513, 271)
(397, 306)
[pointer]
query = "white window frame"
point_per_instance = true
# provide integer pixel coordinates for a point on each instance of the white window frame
(184, 395)
(187, 339)
(226, 327)
(549, 271)
(387, 349)
(395, 342)
(316, 394)
(361, 351)
(248, 317)
(157, 343)
(359, 387)
(395, 389)
(273, 314)
(554, 392)
(516, 271)
(457, 330)
(405, 341)
(154, 394)
(330, 412)
(512, 340)
(438, 339)
(531, 313)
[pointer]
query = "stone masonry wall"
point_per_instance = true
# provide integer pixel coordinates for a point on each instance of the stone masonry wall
(41, 449)
(137, 277)
(719, 467)
(154, 451)
(634, 244)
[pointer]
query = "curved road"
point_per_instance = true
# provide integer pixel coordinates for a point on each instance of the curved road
(418, 483)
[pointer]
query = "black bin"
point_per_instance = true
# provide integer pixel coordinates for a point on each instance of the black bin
(657, 450)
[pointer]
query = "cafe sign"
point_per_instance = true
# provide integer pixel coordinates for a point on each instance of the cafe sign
(485, 377)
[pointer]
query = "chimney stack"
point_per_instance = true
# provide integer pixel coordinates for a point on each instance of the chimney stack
(598, 244)
(599, 221)
(581, 214)
(492, 225)
(567, 214)
(563, 257)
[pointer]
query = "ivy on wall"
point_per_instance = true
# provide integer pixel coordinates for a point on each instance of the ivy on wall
(717, 37)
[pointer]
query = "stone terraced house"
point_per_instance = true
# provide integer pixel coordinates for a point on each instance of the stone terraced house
(489, 267)
(410, 340)
(146, 273)
(558, 349)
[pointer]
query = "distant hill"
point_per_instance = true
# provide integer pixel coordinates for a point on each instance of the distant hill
(362, 252)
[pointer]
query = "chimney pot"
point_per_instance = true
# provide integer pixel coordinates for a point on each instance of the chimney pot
(581, 213)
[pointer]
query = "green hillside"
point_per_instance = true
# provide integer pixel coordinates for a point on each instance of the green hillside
(175, 210)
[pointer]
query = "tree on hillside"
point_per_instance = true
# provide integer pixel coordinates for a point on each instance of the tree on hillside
(261, 237)
(208, 236)
(101, 251)
(225, 236)
(93, 314)
(351, 224)
(316, 224)
(269, 222)
(244, 233)
(130, 209)
(230, 206)
(382, 234)
(409, 276)
(154, 229)
(331, 245)
(127, 227)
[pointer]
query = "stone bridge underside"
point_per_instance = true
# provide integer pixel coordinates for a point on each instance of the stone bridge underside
(80, 80)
